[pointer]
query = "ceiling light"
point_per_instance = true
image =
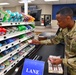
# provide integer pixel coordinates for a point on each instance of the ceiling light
(50, 0)
(4, 3)
(23, 1)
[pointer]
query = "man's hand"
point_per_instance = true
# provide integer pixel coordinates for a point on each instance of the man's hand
(35, 41)
(55, 61)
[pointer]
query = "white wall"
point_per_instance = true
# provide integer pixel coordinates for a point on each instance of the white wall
(46, 9)
(1, 8)
(13, 9)
(18, 8)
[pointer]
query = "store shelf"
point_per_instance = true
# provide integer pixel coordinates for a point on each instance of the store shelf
(30, 35)
(12, 53)
(7, 36)
(31, 49)
(14, 43)
(21, 48)
(15, 23)
(15, 62)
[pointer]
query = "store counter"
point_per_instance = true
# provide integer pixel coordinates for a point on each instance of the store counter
(45, 51)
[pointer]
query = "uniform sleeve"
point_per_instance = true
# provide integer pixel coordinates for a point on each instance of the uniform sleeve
(71, 62)
(73, 44)
(57, 39)
(65, 61)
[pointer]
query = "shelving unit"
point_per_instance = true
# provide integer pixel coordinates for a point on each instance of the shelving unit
(15, 23)
(7, 36)
(14, 43)
(15, 62)
(22, 42)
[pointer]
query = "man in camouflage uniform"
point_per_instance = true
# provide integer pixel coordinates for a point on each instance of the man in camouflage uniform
(68, 34)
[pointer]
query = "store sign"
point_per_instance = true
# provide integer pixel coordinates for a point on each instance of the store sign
(33, 67)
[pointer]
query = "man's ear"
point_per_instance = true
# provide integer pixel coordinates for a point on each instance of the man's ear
(68, 17)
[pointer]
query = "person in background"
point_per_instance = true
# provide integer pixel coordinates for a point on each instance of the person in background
(67, 34)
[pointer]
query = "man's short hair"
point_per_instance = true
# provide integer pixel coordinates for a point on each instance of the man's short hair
(66, 11)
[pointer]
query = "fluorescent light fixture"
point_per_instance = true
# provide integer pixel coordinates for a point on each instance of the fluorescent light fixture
(22, 1)
(50, 0)
(4, 3)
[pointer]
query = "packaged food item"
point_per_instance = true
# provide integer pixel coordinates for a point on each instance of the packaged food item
(6, 63)
(33, 26)
(4, 16)
(2, 31)
(0, 44)
(2, 66)
(10, 60)
(15, 57)
(54, 68)
(5, 52)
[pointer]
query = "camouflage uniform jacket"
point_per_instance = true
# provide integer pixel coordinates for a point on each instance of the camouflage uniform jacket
(69, 37)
